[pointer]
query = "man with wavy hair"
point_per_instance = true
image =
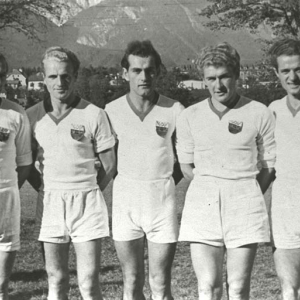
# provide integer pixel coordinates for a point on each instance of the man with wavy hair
(220, 142)
(144, 202)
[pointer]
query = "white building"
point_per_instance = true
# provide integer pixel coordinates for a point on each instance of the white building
(192, 84)
(36, 82)
(16, 78)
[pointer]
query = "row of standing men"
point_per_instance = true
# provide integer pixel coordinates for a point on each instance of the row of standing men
(220, 142)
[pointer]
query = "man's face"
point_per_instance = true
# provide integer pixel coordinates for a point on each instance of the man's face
(221, 83)
(289, 73)
(141, 75)
(59, 79)
(3, 72)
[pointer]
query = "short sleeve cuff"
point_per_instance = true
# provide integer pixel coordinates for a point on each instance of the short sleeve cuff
(185, 158)
(24, 160)
(105, 144)
(267, 164)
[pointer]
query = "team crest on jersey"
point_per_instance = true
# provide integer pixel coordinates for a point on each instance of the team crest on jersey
(235, 126)
(162, 128)
(4, 134)
(77, 132)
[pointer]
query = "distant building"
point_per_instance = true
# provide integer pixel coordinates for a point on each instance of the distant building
(16, 79)
(192, 84)
(36, 81)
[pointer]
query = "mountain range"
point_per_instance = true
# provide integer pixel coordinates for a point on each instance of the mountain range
(99, 30)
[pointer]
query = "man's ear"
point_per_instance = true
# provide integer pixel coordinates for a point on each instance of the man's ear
(125, 74)
(276, 72)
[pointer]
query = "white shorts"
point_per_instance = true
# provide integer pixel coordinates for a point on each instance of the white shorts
(144, 207)
(10, 212)
(79, 216)
(222, 212)
(285, 214)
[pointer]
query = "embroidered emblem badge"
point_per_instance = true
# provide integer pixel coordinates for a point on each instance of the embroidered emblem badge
(162, 128)
(4, 134)
(77, 132)
(235, 126)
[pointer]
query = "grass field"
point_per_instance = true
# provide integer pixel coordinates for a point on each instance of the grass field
(29, 280)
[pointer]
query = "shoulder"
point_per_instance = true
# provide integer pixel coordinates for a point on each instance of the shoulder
(35, 109)
(116, 104)
(278, 104)
(196, 108)
(173, 105)
(10, 105)
(254, 107)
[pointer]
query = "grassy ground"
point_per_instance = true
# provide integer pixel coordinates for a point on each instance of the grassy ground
(28, 280)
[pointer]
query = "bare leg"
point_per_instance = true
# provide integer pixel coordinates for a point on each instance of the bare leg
(239, 267)
(208, 265)
(161, 257)
(6, 264)
(131, 257)
(88, 256)
(56, 257)
(287, 263)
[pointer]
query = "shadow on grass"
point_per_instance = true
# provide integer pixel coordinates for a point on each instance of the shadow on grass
(113, 282)
(26, 276)
(41, 293)
(109, 268)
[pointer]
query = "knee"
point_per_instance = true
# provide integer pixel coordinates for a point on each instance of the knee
(290, 288)
(89, 284)
(133, 279)
(210, 291)
(159, 281)
(57, 278)
(238, 289)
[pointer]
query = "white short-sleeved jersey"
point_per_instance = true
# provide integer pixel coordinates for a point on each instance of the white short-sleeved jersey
(67, 147)
(287, 134)
(227, 145)
(145, 149)
(285, 208)
(15, 143)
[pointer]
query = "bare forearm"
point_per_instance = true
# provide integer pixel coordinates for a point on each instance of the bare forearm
(265, 177)
(177, 174)
(108, 167)
(105, 176)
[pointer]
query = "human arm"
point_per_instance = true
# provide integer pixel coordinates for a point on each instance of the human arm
(23, 173)
(185, 146)
(105, 148)
(108, 167)
(23, 149)
(266, 151)
(177, 173)
(265, 178)
(187, 170)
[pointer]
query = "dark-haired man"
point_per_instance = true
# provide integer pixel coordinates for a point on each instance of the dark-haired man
(285, 209)
(15, 164)
(143, 193)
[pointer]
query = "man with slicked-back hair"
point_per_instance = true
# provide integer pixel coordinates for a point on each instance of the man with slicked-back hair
(144, 203)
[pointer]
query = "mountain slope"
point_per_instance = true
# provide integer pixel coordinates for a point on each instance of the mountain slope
(99, 30)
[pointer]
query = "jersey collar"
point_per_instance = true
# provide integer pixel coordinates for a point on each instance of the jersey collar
(142, 115)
